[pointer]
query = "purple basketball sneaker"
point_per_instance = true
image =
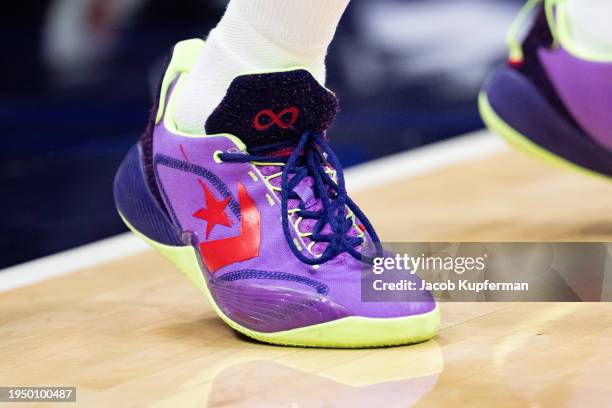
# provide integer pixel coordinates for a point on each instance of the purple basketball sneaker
(552, 99)
(255, 213)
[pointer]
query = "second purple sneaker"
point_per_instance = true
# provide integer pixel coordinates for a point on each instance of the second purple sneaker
(551, 99)
(255, 213)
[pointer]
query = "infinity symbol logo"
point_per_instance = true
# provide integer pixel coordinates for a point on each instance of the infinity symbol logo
(276, 119)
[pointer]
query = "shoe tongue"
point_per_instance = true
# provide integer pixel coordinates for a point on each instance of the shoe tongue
(262, 109)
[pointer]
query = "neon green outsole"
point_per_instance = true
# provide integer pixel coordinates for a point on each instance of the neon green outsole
(514, 138)
(348, 332)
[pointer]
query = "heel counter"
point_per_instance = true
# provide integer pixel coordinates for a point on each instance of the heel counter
(135, 201)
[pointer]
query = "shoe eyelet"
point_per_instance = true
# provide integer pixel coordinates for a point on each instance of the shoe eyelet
(216, 157)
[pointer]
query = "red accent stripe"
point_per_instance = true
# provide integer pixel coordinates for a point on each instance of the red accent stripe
(184, 154)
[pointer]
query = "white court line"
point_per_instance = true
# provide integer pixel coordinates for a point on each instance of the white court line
(62, 263)
(407, 164)
(423, 160)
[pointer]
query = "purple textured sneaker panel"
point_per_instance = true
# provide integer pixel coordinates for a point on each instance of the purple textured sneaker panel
(520, 104)
(185, 166)
(269, 305)
(585, 88)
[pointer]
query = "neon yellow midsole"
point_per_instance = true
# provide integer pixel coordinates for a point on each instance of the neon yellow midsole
(514, 138)
(348, 332)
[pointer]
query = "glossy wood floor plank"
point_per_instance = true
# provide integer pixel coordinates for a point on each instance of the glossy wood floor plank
(507, 197)
(135, 333)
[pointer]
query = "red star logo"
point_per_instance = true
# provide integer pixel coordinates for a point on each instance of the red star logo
(222, 252)
(214, 213)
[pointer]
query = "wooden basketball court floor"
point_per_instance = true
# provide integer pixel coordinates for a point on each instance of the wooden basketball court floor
(128, 330)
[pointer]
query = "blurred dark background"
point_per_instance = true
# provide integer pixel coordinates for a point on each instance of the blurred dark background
(75, 95)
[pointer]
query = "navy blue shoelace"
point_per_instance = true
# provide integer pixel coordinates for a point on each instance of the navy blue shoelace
(309, 158)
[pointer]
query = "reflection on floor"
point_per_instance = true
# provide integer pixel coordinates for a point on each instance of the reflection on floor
(400, 376)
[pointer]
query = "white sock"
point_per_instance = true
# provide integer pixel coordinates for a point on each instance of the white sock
(256, 35)
(589, 23)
